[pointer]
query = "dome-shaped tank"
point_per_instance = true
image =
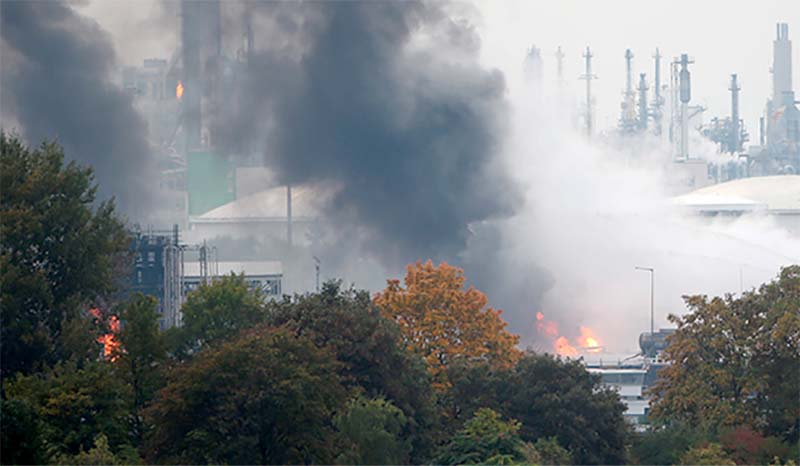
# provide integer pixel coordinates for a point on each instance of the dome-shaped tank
(653, 343)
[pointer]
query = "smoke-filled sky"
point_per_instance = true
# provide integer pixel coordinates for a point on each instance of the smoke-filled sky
(723, 38)
(57, 78)
(388, 102)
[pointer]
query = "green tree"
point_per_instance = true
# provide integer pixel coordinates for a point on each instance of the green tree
(21, 437)
(59, 251)
(372, 428)
(710, 454)
(551, 397)
(484, 439)
(99, 454)
(374, 358)
(74, 405)
(665, 444)
(265, 397)
(550, 452)
(141, 354)
(730, 360)
(215, 312)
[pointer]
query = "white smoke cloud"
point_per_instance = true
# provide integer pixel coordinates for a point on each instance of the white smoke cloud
(594, 212)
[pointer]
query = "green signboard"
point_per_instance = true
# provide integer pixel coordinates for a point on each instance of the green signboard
(210, 181)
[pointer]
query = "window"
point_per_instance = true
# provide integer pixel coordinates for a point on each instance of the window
(271, 287)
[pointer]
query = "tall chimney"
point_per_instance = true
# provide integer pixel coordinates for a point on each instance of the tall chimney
(643, 113)
(781, 64)
(685, 95)
(735, 143)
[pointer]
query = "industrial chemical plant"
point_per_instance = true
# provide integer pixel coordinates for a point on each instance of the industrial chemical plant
(211, 192)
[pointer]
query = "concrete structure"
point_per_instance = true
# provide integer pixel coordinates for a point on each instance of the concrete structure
(632, 376)
(629, 383)
(777, 196)
(265, 212)
(266, 276)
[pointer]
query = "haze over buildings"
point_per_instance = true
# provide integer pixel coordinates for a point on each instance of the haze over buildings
(358, 137)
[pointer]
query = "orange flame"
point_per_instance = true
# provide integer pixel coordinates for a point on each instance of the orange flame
(546, 327)
(563, 347)
(111, 344)
(587, 341)
(179, 90)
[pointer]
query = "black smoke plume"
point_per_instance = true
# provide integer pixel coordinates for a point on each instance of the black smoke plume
(386, 101)
(57, 82)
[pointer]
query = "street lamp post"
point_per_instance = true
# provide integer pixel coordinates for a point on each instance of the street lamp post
(652, 288)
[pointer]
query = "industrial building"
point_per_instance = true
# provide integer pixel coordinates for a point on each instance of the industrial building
(281, 213)
(778, 151)
(775, 196)
(265, 276)
(632, 376)
(157, 271)
(162, 269)
(775, 152)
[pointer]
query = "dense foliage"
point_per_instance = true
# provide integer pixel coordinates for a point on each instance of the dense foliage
(423, 373)
(213, 313)
(60, 250)
(446, 323)
(484, 439)
(731, 362)
(372, 430)
(543, 392)
(374, 359)
(267, 397)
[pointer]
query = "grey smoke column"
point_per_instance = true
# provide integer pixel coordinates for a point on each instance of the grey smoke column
(56, 81)
(408, 131)
(200, 47)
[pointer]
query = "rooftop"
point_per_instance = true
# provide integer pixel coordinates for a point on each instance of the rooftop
(267, 205)
(775, 194)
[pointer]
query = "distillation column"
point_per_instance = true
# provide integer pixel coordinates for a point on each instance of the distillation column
(643, 113)
(735, 143)
(685, 96)
(588, 77)
(658, 101)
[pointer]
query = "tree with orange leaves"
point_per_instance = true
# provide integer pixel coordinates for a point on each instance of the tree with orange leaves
(445, 322)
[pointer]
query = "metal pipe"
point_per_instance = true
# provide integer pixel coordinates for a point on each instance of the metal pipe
(652, 295)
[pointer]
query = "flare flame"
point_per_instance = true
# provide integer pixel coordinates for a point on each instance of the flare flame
(587, 341)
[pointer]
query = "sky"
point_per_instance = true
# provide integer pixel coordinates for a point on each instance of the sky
(722, 37)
